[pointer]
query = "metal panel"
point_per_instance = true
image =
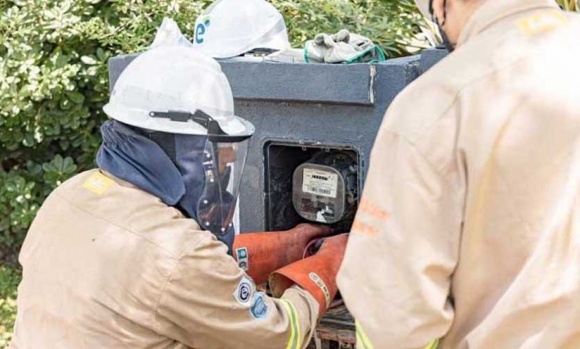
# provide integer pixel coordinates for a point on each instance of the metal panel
(431, 57)
(300, 82)
(251, 80)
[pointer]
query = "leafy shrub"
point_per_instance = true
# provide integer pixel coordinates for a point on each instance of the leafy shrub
(54, 80)
(9, 279)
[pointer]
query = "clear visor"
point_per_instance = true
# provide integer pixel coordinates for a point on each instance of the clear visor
(223, 165)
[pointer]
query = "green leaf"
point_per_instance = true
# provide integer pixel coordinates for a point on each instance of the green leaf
(101, 56)
(76, 97)
(68, 166)
(89, 60)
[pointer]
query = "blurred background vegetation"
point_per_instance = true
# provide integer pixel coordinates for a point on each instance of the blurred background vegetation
(53, 83)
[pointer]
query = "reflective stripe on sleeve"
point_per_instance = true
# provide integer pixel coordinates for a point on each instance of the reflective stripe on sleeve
(295, 341)
(362, 339)
(433, 345)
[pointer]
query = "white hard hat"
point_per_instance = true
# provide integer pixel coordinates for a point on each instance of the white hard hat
(229, 28)
(167, 88)
(423, 6)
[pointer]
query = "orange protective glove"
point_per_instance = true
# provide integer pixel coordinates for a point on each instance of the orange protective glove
(259, 254)
(316, 274)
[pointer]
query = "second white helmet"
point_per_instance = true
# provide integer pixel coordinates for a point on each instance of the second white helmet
(229, 28)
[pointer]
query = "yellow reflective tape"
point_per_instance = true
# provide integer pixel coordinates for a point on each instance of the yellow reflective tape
(292, 341)
(362, 336)
(359, 342)
(295, 341)
(433, 345)
(98, 183)
(298, 334)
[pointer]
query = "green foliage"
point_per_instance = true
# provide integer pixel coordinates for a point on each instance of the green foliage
(9, 279)
(390, 23)
(54, 79)
(53, 83)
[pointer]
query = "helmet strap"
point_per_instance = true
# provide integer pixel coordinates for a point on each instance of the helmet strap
(200, 117)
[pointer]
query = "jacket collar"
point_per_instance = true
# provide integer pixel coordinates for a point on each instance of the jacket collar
(493, 11)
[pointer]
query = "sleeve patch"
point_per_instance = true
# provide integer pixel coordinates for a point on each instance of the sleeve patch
(98, 183)
(244, 291)
(259, 308)
(243, 258)
(541, 23)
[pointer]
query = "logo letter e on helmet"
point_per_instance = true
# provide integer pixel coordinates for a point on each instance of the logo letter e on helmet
(200, 31)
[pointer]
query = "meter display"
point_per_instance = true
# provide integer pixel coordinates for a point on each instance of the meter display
(323, 190)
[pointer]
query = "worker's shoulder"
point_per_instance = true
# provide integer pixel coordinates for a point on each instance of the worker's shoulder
(436, 94)
(108, 201)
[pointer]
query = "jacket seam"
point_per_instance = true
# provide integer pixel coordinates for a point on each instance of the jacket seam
(170, 276)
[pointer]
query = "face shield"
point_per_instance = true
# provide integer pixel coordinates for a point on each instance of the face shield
(211, 166)
(223, 164)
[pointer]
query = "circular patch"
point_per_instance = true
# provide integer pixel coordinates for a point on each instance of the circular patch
(244, 292)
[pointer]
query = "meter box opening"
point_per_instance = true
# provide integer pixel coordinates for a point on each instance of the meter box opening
(310, 183)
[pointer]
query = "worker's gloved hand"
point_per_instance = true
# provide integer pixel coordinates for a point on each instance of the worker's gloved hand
(315, 274)
(261, 253)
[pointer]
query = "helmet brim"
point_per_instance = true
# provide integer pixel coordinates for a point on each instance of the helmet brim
(236, 126)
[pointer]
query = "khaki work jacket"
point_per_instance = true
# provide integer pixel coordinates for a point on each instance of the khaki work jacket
(108, 266)
(469, 226)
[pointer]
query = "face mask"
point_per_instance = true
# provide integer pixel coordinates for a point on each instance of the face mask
(448, 45)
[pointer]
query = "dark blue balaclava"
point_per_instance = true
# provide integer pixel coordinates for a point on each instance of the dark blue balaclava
(166, 165)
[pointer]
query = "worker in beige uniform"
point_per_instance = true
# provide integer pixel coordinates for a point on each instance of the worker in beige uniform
(469, 227)
(139, 252)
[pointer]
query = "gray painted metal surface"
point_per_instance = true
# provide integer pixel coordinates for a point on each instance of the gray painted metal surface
(431, 57)
(339, 105)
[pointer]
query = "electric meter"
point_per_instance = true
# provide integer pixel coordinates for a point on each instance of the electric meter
(324, 188)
